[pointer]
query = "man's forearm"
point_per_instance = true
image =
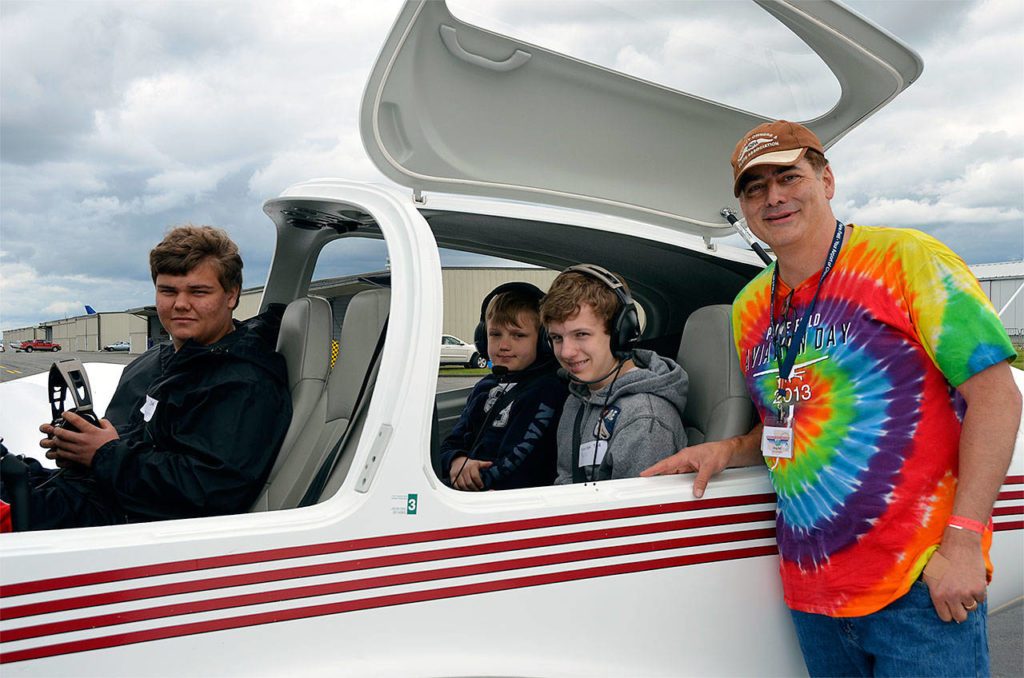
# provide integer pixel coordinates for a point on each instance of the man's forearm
(986, 440)
(986, 447)
(747, 448)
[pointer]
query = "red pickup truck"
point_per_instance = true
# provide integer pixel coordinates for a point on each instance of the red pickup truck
(37, 345)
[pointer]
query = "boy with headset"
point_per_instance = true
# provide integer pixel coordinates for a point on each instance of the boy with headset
(505, 437)
(625, 407)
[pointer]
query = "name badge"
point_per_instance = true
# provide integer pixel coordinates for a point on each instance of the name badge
(592, 453)
(777, 436)
(148, 408)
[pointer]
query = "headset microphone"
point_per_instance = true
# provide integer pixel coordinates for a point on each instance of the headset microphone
(565, 374)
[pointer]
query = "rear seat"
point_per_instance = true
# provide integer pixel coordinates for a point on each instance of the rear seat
(718, 405)
(309, 442)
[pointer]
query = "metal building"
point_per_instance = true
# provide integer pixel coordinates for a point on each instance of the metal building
(88, 332)
(1004, 285)
(465, 289)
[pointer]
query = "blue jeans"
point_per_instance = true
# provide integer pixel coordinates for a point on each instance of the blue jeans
(905, 638)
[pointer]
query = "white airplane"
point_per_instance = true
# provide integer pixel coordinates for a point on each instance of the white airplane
(388, 572)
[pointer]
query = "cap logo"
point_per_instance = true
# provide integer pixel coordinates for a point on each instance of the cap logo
(756, 145)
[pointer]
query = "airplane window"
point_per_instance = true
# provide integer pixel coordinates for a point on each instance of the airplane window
(352, 276)
(462, 367)
(345, 267)
(740, 57)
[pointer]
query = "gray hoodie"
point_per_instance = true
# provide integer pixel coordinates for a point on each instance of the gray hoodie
(642, 422)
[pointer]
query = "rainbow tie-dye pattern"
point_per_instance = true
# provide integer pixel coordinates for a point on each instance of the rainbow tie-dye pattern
(899, 322)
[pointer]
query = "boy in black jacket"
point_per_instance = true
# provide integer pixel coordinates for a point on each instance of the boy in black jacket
(195, 423)
(505, 437)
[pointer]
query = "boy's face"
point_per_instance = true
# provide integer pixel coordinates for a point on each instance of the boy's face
(513, 346)
(583, 346)
(194, 305)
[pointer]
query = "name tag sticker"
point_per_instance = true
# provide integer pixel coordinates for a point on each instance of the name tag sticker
(592, 453)
(777, 436)
(148, 408)
(777, 441)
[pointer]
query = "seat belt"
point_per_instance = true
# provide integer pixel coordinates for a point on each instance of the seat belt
(324, 472)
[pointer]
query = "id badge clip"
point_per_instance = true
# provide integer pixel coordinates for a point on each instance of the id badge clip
(777, 436)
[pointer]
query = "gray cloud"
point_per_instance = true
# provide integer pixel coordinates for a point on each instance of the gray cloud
(120, 118)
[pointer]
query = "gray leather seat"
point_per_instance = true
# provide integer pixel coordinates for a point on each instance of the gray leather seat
(333, 410)
(305, 343)
(718, 405)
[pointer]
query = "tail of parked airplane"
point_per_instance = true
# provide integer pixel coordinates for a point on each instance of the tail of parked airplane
(89, 310)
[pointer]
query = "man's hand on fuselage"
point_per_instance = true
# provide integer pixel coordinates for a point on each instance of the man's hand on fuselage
(66, 446)
(708, 459)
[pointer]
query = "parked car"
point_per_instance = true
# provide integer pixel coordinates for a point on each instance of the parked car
(455, 351)
(37, 345)
(118, 346)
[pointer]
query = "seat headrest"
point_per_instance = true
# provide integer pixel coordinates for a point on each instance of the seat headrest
(717, 405)
(305, 339)
(365, 316)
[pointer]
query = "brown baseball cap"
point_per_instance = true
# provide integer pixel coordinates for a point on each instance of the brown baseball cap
(773, 143)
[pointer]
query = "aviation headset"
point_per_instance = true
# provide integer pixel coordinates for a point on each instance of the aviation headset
(625, 325)
(480, 333)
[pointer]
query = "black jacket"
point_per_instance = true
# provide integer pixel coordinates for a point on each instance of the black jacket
(521, 439)
(220, 414)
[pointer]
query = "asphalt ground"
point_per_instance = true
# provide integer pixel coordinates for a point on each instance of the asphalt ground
(1006, 640)
(14, 365)
(1005, 625)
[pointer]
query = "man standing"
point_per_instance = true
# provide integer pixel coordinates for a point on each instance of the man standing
(195, 423)
(888, 412)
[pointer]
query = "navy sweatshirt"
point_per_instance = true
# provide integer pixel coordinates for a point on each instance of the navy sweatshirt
(521, 438)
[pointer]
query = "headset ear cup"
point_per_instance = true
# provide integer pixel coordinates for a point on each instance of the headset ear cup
(629, 330)
(625, 332)
(480, 339)
(544, 346)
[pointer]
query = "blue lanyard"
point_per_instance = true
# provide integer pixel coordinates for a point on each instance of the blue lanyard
(786, 364)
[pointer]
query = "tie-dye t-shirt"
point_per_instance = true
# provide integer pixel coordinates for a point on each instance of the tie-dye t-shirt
(899, 322)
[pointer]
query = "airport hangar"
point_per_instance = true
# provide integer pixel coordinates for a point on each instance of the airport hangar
(464, 288)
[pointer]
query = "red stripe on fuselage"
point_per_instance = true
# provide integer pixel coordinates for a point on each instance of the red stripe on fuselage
(58, 605)
(306, 550)
(380, 582)
(376, 602)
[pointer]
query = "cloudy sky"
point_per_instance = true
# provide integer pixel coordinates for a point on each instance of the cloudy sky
(121, 118)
